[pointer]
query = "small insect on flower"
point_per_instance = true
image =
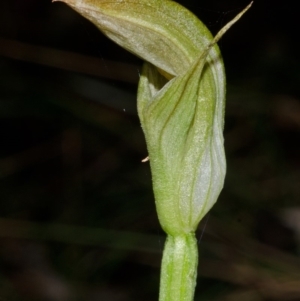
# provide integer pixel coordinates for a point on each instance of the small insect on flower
(145, 160)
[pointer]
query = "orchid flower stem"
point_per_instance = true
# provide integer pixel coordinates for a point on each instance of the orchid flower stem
(179, 268)
(180, 99)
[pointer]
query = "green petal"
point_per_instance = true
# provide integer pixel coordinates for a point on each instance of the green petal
(183, 124)
(161, 32)
(182, 118)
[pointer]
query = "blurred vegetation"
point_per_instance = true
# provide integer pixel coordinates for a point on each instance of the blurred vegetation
(77, 216)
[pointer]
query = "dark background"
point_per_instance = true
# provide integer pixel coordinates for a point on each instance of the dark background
(77, 216)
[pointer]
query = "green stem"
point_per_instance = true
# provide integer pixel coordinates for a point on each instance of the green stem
(179, 268)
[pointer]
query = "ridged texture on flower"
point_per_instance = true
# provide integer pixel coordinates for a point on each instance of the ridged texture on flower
(180, 101)
(183, 125)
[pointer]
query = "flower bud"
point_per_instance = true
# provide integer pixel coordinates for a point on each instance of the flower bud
(180, 101)
(183, 124)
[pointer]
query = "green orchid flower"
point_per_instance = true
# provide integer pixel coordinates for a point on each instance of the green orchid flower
(181, 99)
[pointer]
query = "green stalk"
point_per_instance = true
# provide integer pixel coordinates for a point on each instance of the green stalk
(179, 268)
